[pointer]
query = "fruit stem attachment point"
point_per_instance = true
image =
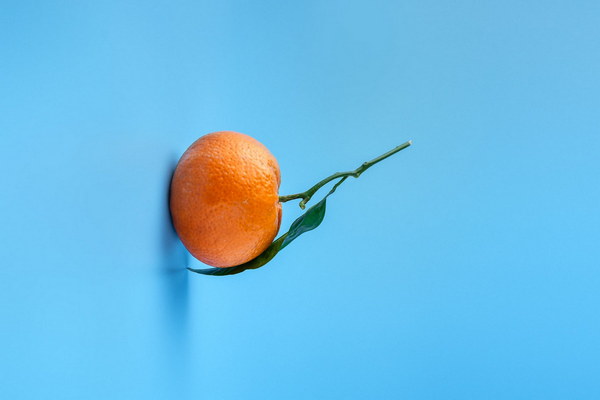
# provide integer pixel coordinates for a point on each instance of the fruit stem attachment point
(307, 195)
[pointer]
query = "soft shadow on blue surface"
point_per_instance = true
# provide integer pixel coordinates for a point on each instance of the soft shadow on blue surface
(174, 259)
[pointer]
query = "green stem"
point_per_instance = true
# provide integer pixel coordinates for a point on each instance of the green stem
(307, 195)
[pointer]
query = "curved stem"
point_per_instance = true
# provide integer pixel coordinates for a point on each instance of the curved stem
(307, 195)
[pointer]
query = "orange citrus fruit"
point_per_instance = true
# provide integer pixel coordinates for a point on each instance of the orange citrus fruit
(224, 198)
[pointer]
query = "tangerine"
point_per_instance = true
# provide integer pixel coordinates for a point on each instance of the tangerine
(224, 198)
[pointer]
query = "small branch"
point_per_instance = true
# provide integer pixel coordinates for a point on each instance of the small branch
(307, 195)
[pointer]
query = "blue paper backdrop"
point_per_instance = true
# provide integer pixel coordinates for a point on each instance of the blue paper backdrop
(466, 267)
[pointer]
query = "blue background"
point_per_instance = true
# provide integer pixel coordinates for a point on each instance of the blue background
(465, 267)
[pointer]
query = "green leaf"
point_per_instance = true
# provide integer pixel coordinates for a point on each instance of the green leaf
(311, 219)
(308, 221)
(257, 262)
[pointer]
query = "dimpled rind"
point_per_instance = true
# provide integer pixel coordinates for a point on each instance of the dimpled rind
(224, 198)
